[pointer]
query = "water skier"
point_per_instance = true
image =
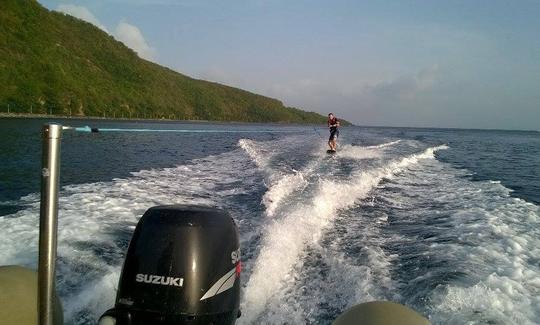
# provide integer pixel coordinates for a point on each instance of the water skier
(333, 124)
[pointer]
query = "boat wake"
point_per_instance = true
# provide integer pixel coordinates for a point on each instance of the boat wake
(302, 225)
(319, 233)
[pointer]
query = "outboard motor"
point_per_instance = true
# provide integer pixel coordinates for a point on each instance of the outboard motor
(182, 267)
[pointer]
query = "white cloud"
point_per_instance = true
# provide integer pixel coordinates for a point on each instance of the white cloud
(400, 100)
(82, 13)
(126, 33)
(405, 87)
(132, 37)
(400, 88)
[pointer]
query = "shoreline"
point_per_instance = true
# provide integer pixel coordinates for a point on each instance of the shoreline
(78, 117)
(126, 119)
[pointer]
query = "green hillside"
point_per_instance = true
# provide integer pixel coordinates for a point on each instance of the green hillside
(51, 63)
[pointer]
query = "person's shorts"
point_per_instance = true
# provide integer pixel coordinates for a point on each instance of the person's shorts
(333, 135)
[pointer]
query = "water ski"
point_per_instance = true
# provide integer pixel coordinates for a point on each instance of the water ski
(330, 151)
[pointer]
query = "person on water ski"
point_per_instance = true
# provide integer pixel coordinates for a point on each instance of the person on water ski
(333, 124)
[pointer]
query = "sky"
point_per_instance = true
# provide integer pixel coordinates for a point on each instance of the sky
(463, 64)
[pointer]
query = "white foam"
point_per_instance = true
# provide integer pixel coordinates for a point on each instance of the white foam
(383, 145)
(356, 152)
(494, 250)
(259, 154)
(281, 189)
(506, 289)
(286, 239)
(364, 152)
(92, 215)
(503, 287)
(328, 275)
(341, 282)
(263, 152)
(281, 183)
(96, 299)
(497, 299)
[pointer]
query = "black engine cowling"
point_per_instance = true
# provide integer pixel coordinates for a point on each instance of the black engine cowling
(182, 267)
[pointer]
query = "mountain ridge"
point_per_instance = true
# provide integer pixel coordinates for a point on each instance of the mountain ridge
(53, 63)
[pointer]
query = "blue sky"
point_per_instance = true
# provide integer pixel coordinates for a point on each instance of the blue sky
(467, 64)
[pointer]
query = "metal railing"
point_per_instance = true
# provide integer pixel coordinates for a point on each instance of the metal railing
(48, 222)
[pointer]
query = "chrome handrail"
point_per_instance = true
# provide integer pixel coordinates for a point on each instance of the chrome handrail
(48, 221)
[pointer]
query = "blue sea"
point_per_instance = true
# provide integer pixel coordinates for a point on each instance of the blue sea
(444, 221)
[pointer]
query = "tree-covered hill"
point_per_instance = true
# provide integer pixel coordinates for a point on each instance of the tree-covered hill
(52, 63)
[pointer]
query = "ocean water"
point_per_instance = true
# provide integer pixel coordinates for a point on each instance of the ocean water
(444, 221)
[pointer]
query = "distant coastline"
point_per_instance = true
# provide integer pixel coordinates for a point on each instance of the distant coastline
(73, 117)
(76, 117)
